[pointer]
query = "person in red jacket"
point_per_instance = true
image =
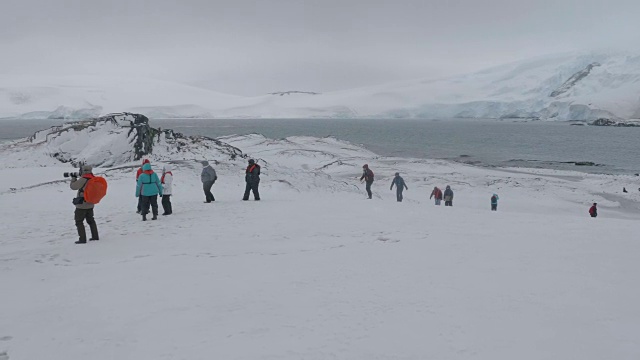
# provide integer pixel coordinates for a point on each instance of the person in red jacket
(145, 161)
(593, 211)
(437, 193)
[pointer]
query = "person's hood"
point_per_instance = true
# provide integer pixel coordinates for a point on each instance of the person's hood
(496, 195)
(205, 163)
(146, 167)
(166, 169)
(448, 187)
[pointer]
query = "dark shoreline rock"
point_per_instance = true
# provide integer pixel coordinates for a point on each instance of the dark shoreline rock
(609, 122)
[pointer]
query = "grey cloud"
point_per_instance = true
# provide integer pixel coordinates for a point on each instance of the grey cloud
(253, 47)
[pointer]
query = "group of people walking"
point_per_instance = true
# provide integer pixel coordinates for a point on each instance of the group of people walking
(400, 185)
(150, 186)
(438, 195)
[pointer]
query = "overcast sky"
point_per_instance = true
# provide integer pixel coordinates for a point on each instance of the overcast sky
(251, 47)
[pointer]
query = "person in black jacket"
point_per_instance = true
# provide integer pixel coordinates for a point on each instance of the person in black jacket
(448, 196)
(367, 176)
(252, 177)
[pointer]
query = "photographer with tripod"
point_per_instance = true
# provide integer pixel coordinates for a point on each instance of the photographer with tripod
(84, 210)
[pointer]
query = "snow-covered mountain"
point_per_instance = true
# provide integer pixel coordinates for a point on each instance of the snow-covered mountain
(559, 87)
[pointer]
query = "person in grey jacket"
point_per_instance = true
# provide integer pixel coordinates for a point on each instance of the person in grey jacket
(208, 178)
(84, 210)
(448, 196)
(398, 181)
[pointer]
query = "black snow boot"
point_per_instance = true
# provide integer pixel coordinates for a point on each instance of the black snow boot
(81, 242)
(144, 217)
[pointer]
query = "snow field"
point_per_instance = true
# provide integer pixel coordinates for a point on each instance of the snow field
(316, 271)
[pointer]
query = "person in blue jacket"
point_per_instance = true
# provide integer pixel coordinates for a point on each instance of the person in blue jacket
(494, 202)
(400, 185)
(149, 188)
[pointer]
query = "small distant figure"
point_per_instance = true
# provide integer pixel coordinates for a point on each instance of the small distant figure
(149, 188)
(252, 178)
(624, 190)
(437, 193)
(138, 173)
(167, 189)
(448, 196)
(593, 211)
(494, 202)
(367, 176)
(398, 181)
(208, 178)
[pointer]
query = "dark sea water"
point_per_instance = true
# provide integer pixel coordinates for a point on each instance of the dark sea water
(486, 143)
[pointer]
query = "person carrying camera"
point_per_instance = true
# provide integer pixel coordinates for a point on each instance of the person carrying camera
(149, 187)
(84, 210)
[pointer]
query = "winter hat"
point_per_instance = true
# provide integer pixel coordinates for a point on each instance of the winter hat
(145, 161)
(87, 168)
(397, 174)
(205, 163)
(365, 166)
(251, 161)
(448, 187)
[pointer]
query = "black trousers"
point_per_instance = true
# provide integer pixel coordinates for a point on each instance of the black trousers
(150, 201)
(80, 216)
(166, 204)
(448, 203)
(369, 189)
(494, 207)
(399, 194)
(139, 204)
(252, 186)
(206, 186)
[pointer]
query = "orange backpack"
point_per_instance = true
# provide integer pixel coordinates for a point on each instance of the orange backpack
(95, 189)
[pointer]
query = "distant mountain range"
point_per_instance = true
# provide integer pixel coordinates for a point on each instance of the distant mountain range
(559, 87)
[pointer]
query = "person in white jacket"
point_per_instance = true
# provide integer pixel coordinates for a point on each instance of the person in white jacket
(167, 186)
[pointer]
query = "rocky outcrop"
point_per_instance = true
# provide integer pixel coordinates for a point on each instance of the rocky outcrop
(120, 138)
(574, 79)
(609, 122)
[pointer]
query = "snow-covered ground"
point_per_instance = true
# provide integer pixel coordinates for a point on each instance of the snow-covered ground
(315, 270)
(576, 86)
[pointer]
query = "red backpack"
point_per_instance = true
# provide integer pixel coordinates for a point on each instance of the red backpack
(95, 189)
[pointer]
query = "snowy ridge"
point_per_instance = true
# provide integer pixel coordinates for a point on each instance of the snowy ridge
(561, 87)
(112, 140)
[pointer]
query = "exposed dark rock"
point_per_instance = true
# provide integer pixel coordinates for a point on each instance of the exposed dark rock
(574, 79)
(609, 122)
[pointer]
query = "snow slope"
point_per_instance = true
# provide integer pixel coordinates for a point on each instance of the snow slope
(583, 86)
(316, 271)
